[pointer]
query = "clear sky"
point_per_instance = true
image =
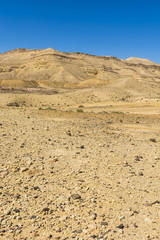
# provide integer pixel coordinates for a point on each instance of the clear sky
(121, 28)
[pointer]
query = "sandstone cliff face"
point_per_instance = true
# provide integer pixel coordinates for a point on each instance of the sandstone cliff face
(24, 68)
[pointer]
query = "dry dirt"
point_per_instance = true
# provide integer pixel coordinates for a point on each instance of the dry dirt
(79, 164)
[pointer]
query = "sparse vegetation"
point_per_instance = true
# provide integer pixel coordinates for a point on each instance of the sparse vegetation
(13, 104)
(80, 110)
(117, 112)
(125, 98)
(48, 108)
(104, 112)
(69, 111)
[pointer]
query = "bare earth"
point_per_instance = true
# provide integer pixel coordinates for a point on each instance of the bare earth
(80, 162)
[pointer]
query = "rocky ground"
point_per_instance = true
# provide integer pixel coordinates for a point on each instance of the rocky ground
(78, 175)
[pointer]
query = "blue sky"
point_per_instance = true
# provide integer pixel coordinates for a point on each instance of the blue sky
(121, 28)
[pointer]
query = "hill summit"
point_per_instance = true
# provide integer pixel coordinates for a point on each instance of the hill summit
(47, 68)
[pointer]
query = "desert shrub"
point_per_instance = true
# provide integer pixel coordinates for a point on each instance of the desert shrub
(13, 104)
(79, 110)
(117, 112)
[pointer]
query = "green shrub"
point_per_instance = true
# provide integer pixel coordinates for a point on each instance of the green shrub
(79, 110)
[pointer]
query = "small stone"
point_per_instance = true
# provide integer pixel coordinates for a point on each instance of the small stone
(82, 147)
(55, 160)
(94, 236)
(69, 133)
(153, 140)
(138, 158)
(121, 226)
(140, 174)
(36, 235)
(94, 216)
(75, 196)
(58, 230)
(46, 209)
(7, 212)
(36, 188)
(104, 223)
(24, 169)
(147, 204)
(17, 210)
(135, 225)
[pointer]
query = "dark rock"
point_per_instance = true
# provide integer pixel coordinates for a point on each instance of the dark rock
(94, 216)
(46, 209)
(36, 188)
(36, 196)
(140, 174)
(135, 225)
(16, 210)
(69, 133)
(138, 158)
(121, 226)
(82, 147)
(136, 212)
(94, 236)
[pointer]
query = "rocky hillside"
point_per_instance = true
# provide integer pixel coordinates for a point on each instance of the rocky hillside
(24, 68)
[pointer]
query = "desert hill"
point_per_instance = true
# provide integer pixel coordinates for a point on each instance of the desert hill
(143, 61)
(48, 68)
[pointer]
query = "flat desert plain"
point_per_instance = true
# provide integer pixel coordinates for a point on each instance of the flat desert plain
(80, 162)
(76, 170)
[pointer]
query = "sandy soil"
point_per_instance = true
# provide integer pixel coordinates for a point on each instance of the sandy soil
(86, 174)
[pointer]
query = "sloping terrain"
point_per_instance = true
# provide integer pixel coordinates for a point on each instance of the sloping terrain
(79, 147)
(23, 68)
